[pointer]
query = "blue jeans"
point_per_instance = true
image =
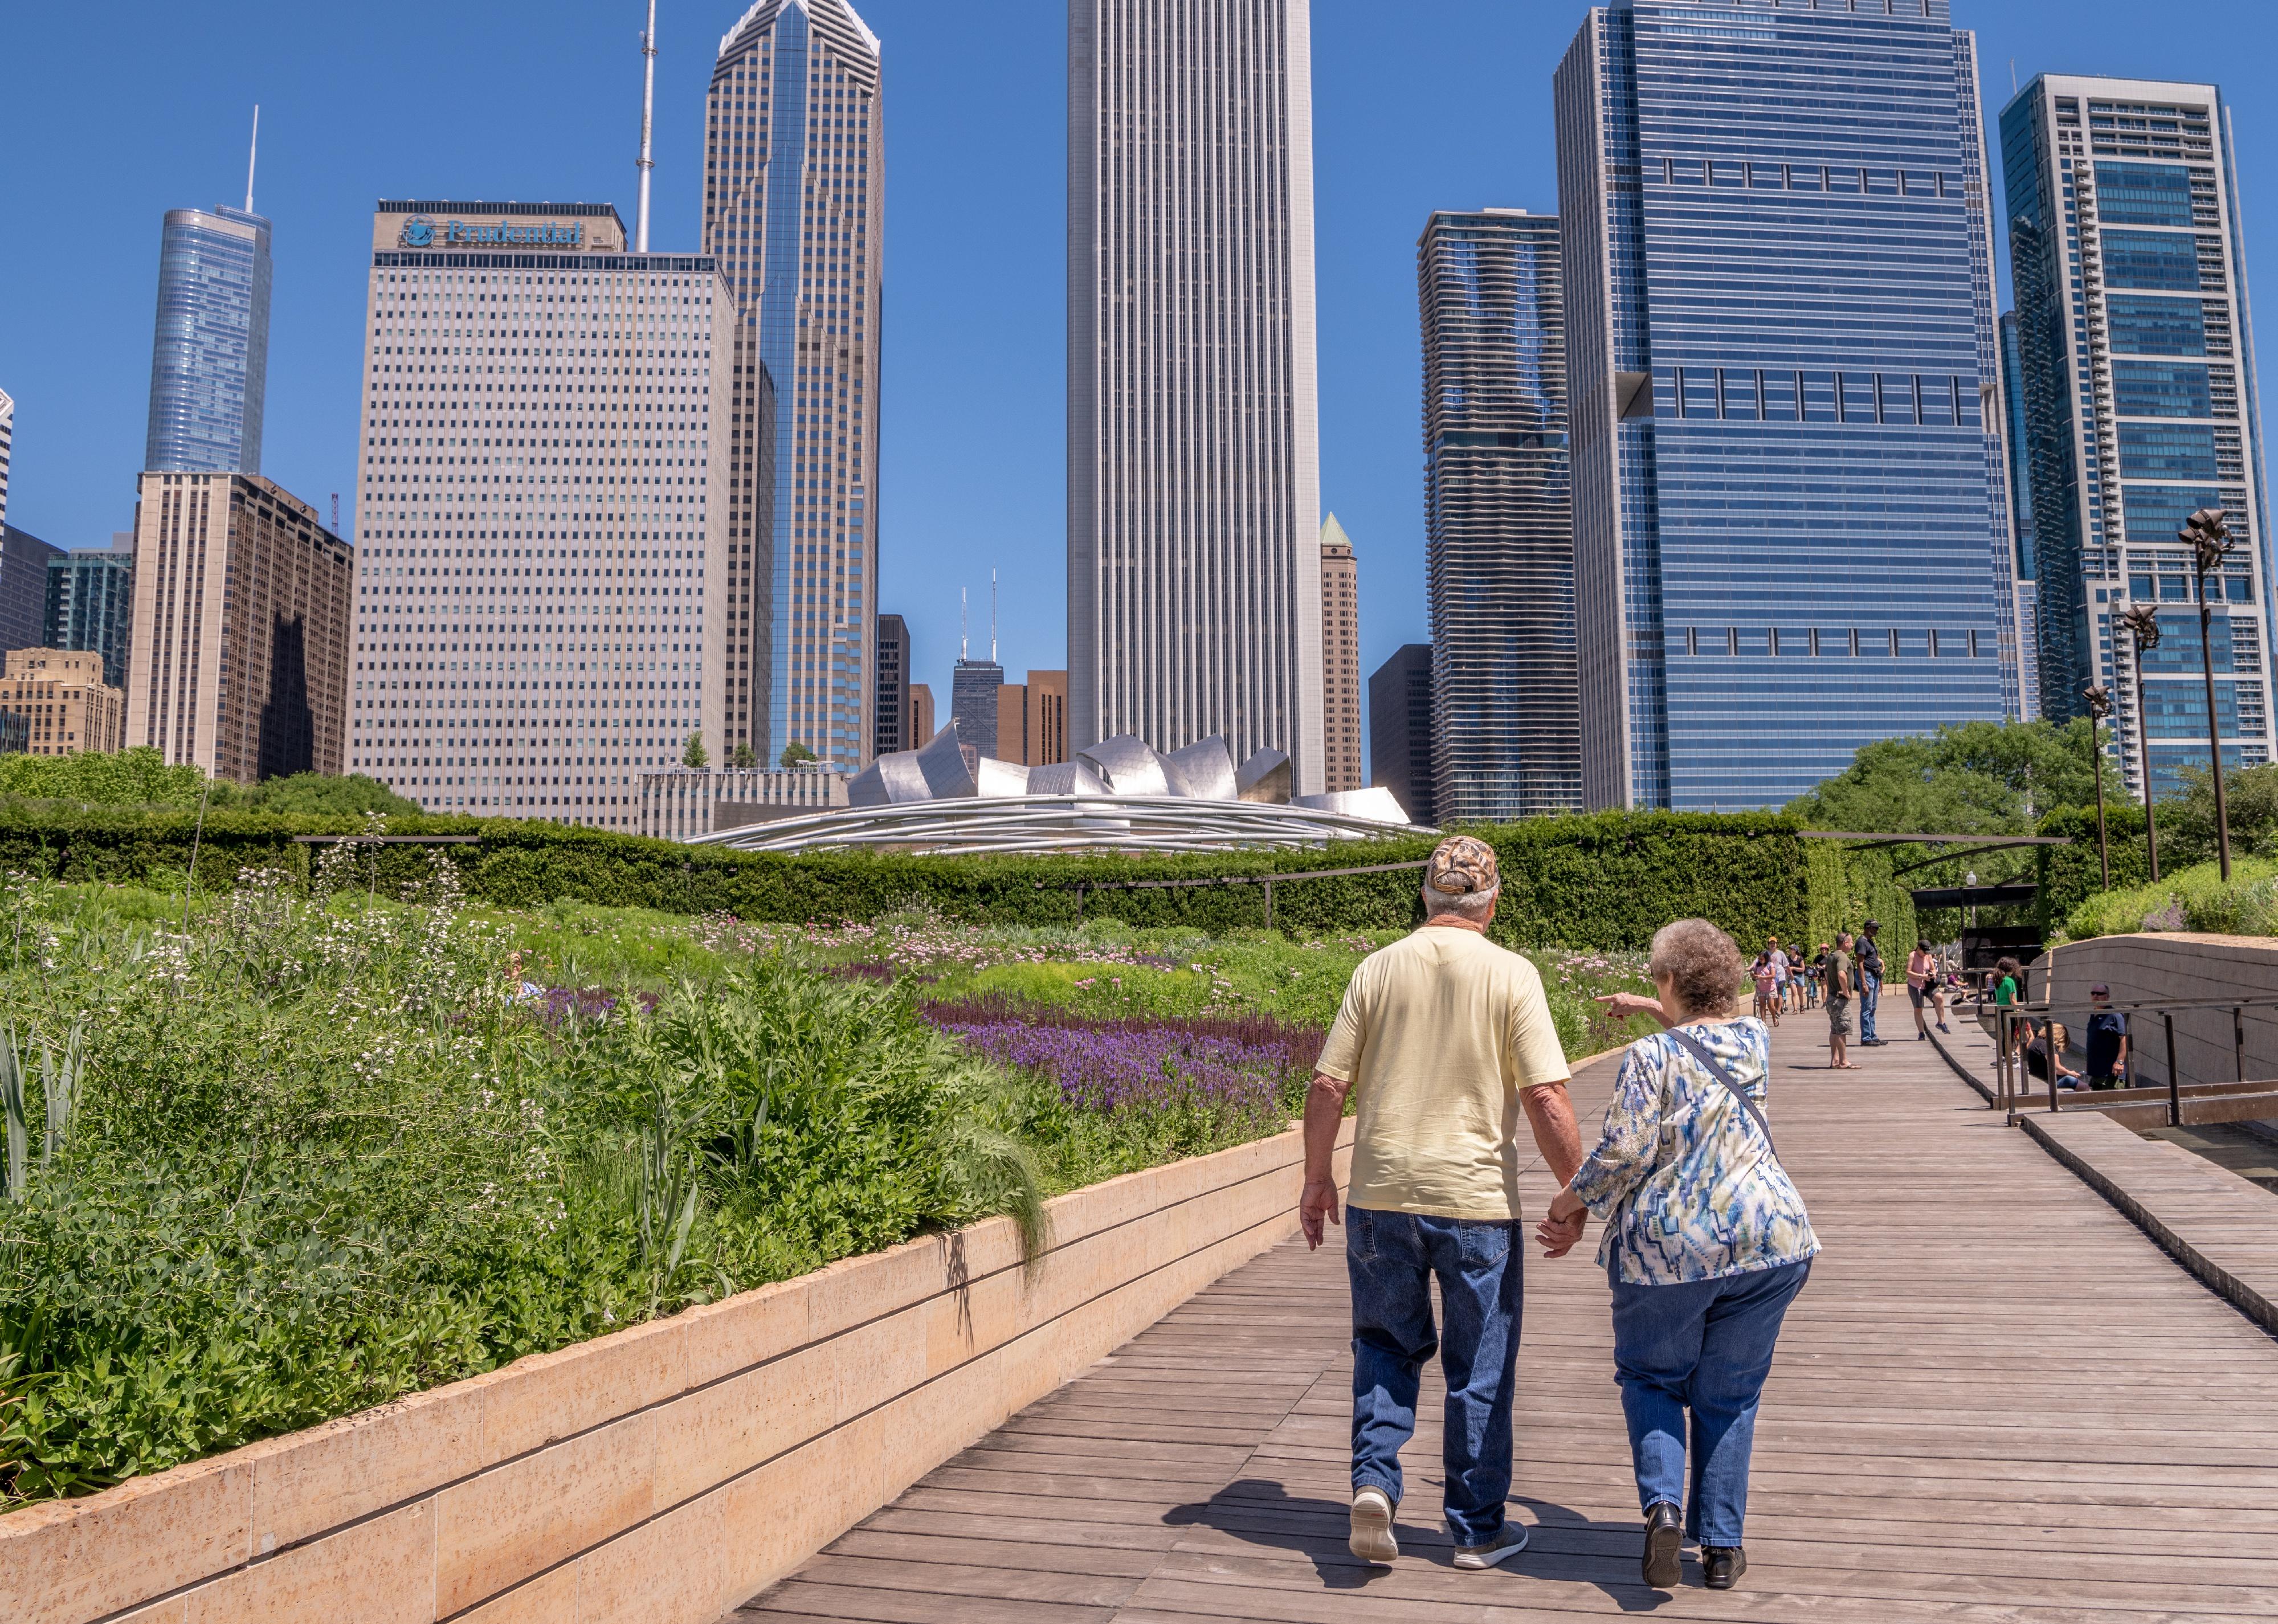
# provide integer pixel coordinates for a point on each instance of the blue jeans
(1702, 1346)
(1870, 992)
(1392, 1258)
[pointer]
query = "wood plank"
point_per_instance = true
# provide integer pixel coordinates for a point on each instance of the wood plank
(1997, 1402)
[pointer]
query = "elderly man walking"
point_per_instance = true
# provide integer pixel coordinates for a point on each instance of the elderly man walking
(1444, 1040)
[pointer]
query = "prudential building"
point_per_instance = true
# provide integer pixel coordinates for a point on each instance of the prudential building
(1791, 517)
(540, 606)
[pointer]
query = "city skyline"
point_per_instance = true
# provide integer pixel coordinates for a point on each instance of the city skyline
(1374, 171)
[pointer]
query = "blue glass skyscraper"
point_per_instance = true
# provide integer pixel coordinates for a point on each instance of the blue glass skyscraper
(209, 361)
(2137, 356)
(1498, 520)
(2021, 519)
(1791, 530)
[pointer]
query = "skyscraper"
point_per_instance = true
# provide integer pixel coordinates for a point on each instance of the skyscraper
(540, 606)
(794, 210)
(240, 656)
(7, 447)
(1194, 504)
(973, 685)
(2018, 461)
(1498, 517)
(1400, 730)
(2140, 407)
(24, 560)
(1779, 340)
(892, 685)
(1339, 658)
(91, 604)
(209, 361)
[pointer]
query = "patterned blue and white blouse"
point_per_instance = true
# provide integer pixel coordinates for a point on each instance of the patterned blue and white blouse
(1683, 1178)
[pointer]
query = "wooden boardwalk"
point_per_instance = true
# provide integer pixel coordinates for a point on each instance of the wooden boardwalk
(1995, 1401)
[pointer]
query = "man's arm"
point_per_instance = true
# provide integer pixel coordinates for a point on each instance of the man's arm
(1550, 1112)
(1325, 1110)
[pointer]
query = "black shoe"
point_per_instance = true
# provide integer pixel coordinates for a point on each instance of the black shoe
(1722, 1566)
(1663, 1533)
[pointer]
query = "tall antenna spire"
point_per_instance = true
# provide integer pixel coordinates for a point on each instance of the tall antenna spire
(648, 115)
(992, 617)
(251, 156)
(964, 628)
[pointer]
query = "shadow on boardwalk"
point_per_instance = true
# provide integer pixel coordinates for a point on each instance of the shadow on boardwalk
(1996, 1403)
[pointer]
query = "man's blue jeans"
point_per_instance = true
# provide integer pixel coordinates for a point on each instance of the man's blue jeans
(1702, 1346)
(1392, 1258)
(1870, 992)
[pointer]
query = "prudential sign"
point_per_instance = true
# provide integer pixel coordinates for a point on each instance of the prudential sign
(421, 231)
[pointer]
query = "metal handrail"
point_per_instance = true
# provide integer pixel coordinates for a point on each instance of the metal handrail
(2009, 1086)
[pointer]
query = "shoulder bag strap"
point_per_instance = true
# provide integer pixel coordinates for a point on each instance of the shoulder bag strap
(1700, 1052)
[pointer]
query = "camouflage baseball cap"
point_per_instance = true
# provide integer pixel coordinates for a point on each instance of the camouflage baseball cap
(1461, 865)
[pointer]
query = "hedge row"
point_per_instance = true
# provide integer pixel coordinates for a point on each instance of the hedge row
(2070, 875)
(1605, 880)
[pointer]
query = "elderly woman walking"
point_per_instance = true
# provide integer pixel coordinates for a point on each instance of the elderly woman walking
(1706, 1243)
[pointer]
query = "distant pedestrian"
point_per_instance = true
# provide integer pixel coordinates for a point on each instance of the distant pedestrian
(2006, 975)
(1767, 989)
(1706, 1243)
(1446, 1044)
(1784, 978)
(1840, 984)
(1922, 988)
(2107, 1040)
(1870, 984)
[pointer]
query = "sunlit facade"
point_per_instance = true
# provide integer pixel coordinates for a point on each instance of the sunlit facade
(209, 358)
(1791, 537)
(2137, 362)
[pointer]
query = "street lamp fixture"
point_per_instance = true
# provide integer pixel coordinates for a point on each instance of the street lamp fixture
(2099, 706)
(2209, 539)
(2143, 623)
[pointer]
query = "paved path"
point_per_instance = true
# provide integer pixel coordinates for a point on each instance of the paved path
(1996, 1401)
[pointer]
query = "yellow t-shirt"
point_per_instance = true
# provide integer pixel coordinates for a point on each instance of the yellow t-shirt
(1438, 1033)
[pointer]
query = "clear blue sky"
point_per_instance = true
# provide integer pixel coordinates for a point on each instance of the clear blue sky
(115, 113)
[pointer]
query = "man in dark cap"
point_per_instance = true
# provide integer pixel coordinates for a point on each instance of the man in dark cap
(1870, 984)
(1444, 1041)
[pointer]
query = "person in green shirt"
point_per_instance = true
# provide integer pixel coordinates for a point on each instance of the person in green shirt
(2008, 985)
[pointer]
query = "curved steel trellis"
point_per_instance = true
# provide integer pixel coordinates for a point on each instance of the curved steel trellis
(1036, 824)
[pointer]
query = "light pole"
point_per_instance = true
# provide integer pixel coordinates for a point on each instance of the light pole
(2099, 706)
(2143, 623)
(2209, 539)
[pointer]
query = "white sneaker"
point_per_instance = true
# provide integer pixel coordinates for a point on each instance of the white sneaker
(1509, 1540)
(1372, 1539)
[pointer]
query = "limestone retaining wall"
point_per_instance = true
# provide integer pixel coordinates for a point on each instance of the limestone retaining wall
(2164, 965)
(667, 1472)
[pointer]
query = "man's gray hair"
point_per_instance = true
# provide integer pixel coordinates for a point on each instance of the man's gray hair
(1473, 905)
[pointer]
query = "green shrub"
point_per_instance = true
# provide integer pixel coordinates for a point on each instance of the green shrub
(1606, 880)
(2192, 898)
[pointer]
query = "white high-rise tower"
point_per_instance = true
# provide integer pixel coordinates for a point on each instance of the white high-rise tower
(1194, 482)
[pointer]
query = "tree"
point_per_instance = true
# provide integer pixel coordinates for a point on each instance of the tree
(694, 755)
(2187, 821)
(1978, 778)
(796, 755)
(742, 758)
(316, 794)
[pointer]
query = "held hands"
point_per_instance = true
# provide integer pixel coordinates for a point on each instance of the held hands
(1319, 1201)
(1567, 1219)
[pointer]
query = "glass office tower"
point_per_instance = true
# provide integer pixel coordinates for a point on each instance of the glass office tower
(2138, 371)
(794, 210)
(91, 605)
(1791, 536)
(1498, 517)
(209, 363)
(2021, 519)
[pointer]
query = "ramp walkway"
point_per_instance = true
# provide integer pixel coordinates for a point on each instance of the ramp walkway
(1997, 1402)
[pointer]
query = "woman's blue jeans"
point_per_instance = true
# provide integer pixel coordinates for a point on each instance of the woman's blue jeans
(1703, 1347)
(1392, 1258)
